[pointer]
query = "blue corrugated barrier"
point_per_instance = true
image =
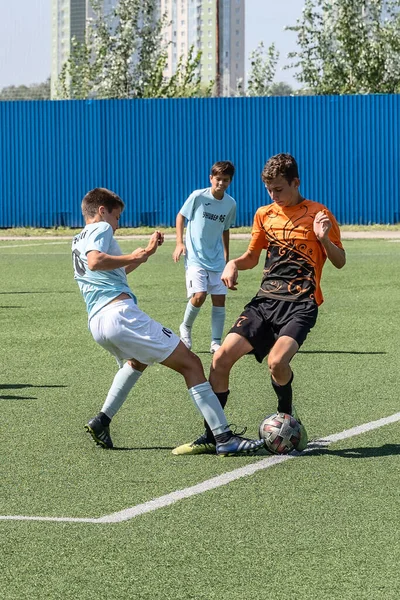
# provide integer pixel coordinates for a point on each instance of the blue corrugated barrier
(153, 153)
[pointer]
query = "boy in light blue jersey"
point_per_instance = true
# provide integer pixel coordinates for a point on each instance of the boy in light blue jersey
(129, 334)
(209, 213)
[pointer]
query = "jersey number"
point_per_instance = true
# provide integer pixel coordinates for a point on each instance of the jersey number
(78, 263)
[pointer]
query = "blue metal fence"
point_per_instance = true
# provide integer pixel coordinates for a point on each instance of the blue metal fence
(153, 153)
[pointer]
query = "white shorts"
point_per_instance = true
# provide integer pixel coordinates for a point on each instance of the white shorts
(201, 280)
(127, 332)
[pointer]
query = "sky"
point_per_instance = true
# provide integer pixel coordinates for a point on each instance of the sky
(25, 37)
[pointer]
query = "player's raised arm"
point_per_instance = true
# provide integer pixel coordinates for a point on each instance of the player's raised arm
(141, 255)
(322, 226)
(101, 261)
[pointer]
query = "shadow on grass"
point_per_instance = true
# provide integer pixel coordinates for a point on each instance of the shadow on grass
(12, 306)
(312, 352)
(336, 352)
(363, 452)
(21, 386)
(144, 448)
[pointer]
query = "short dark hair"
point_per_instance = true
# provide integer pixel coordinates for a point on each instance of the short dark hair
(223, 167)
(100, 197)
(280, 164)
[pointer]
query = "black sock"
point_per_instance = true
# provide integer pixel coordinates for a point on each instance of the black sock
(285, 395)
(104, 419)
(223, 399)
(220, 438)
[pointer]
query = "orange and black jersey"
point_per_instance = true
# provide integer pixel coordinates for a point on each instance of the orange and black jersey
(294, 259)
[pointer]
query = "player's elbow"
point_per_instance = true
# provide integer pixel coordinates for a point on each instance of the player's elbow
(340, 262)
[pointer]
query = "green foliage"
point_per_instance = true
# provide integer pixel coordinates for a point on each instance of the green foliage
(263, 66)
(124, 55)
(36, 91)
(348, 47)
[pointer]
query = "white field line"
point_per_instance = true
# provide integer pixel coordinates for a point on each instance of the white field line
(38, 244)
(214, 482)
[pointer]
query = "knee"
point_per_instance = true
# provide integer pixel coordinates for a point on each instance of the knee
(199, 299)
(221, 361)
(277, 367)
(192, 365)
(136, 365)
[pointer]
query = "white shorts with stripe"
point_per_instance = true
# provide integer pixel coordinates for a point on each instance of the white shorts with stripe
(127, 332)
(201, 280)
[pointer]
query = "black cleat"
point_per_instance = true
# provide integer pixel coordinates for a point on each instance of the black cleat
(237, 445)
(99, 432)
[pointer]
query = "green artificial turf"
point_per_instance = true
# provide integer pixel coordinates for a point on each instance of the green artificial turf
(321, 526)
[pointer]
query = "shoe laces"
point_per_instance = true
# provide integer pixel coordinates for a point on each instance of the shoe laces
(234, 429)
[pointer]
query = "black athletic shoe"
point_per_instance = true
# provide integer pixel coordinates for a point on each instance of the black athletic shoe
(99, 432)
(238, 445)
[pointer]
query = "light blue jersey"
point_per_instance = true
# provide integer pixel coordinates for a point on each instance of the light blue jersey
(207, 219)
(98, 287)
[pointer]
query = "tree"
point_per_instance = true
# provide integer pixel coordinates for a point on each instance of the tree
(263, 66)
(124, 55)
(36, 91)
(348, 46)
(280, 88)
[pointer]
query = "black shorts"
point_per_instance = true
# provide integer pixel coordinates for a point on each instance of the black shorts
(264, 320)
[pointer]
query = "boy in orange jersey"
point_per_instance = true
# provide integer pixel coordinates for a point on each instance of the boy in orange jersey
(298, 235)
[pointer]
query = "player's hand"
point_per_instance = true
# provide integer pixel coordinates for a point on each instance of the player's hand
(156, 240)
(230, 275)
(321, 225)
(179, 250)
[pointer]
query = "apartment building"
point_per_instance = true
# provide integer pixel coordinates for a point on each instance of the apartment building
(194, 23)
(190, 23)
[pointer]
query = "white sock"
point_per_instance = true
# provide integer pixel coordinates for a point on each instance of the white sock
(123, 382)
(191, 313)
(217, 323)
(210, 407)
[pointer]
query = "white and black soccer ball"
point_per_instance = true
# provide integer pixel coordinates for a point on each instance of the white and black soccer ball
(281, 433)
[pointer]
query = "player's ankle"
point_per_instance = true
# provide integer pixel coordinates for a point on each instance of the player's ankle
(105, 420)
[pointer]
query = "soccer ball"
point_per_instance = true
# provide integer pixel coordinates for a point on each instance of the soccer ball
(281, 433)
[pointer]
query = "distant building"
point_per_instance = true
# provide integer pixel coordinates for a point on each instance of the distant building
(68, 20)
(192, 23)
